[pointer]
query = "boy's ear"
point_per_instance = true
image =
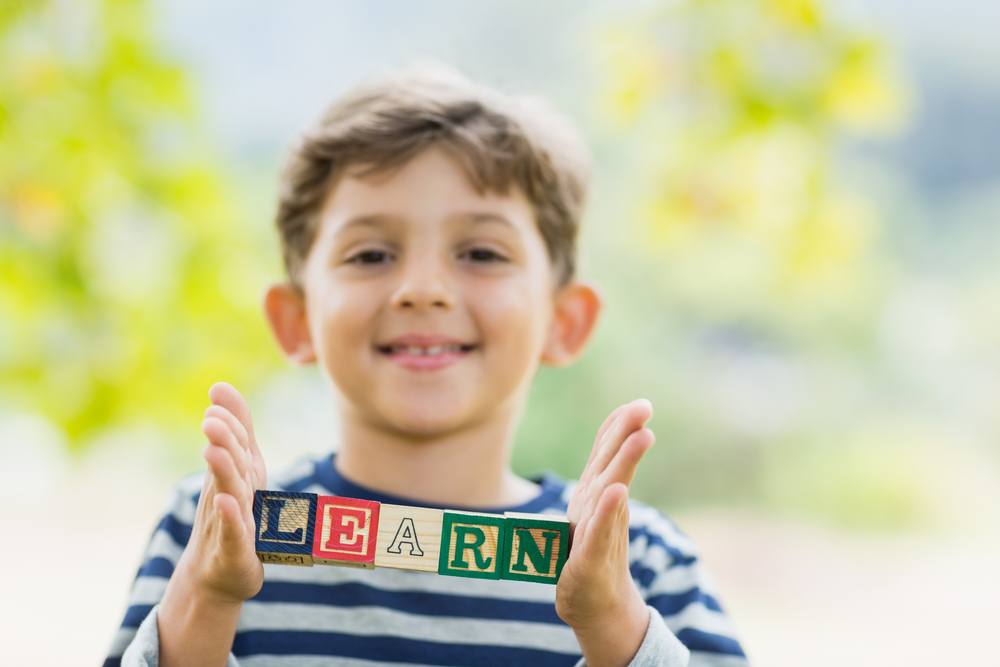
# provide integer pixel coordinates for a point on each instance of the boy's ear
(286, 312)
(577, 307)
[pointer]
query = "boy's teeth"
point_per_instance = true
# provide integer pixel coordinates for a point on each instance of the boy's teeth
(430, 351)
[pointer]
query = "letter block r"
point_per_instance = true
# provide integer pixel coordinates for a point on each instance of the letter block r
(471, 545)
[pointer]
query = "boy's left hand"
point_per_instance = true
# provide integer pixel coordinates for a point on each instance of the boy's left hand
(596, 595)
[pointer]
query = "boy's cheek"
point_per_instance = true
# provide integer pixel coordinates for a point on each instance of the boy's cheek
(340, 319)
(520, 325)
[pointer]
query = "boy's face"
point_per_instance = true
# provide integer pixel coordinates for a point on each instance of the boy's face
(427, 304)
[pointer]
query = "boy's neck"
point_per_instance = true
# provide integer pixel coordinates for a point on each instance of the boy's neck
(468, 468)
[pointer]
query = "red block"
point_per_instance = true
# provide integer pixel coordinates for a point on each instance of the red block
(346, 531)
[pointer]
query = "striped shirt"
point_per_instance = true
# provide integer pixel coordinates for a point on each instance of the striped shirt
(325, 616)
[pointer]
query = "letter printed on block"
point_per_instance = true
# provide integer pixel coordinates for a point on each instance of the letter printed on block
(537, 547)
(409, 538)
(346, 531)
(471, 545)
(284, 523)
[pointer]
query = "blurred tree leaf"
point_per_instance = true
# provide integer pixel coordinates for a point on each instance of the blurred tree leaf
(746, 282)
(127, 278)
(742, 104)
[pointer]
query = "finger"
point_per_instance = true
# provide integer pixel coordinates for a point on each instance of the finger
(227, 477)
(601, 431)
(633, 417)
(219, 433)
(245, 462)
(234, 424)
(589, 474)
(233, 527)
(622, 467)
(602, 535)
(597, 462)
(225, 395)
(613, 432)
(207, 494)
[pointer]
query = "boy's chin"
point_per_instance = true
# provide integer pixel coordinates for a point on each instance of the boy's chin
(426, 427)
(427, 422)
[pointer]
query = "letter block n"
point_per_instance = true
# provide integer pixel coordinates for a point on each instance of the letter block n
(536, 548)
(471, 545)
(284, 526)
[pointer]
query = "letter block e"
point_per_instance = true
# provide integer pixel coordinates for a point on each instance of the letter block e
(346, 531)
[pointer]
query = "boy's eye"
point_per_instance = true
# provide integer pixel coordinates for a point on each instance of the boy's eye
(370, 257)
(483, 255)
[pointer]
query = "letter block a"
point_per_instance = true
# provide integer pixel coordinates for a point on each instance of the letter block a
(471, 544)
(409, 538)
(284, 523)
(346, 531)
(536, 548)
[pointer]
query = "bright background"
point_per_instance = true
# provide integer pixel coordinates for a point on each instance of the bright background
(796, 220)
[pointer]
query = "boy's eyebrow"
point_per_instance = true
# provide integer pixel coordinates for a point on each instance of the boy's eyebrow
(370, 220)
(488, 217)
(382, 219)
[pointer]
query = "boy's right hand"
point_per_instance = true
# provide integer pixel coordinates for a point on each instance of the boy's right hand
(219, 568)
(222, 541)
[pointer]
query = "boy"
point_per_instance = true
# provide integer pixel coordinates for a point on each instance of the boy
(428, 229)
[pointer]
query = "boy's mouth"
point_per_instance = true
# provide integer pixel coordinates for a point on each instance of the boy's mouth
(424, 350)
(424, 353)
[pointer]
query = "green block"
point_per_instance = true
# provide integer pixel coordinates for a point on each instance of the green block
(471, 545)
(536, 548)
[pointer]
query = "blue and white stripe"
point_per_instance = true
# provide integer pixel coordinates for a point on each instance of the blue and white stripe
(326, 616)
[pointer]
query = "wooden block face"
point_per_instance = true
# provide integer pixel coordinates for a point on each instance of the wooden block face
(284, 526)
(409, 538)
(285, 559)
(471, 545)
(346, 531)
(536, 547)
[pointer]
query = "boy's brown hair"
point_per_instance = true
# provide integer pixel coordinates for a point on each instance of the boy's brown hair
(499, 141)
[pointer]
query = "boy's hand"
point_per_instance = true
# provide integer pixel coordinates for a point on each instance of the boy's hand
(223, 535)
(596, 595)
(219, 568)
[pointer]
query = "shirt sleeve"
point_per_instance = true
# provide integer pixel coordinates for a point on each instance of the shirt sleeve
(675, 584)
(136, 643)
(659, 648)
(144, 650)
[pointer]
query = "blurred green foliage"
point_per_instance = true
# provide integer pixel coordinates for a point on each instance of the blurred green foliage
(745, 278)
(744, 103)
(127, 276)
(748, 286)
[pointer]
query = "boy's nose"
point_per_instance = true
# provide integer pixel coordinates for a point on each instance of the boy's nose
(423, 288)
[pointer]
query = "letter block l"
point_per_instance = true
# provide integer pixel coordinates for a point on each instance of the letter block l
(284, 526)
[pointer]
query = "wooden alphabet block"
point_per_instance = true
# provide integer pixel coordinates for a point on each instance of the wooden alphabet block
(346, 531)
(471, 545)
(409, 538)
(536, 547)
(284, 526)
